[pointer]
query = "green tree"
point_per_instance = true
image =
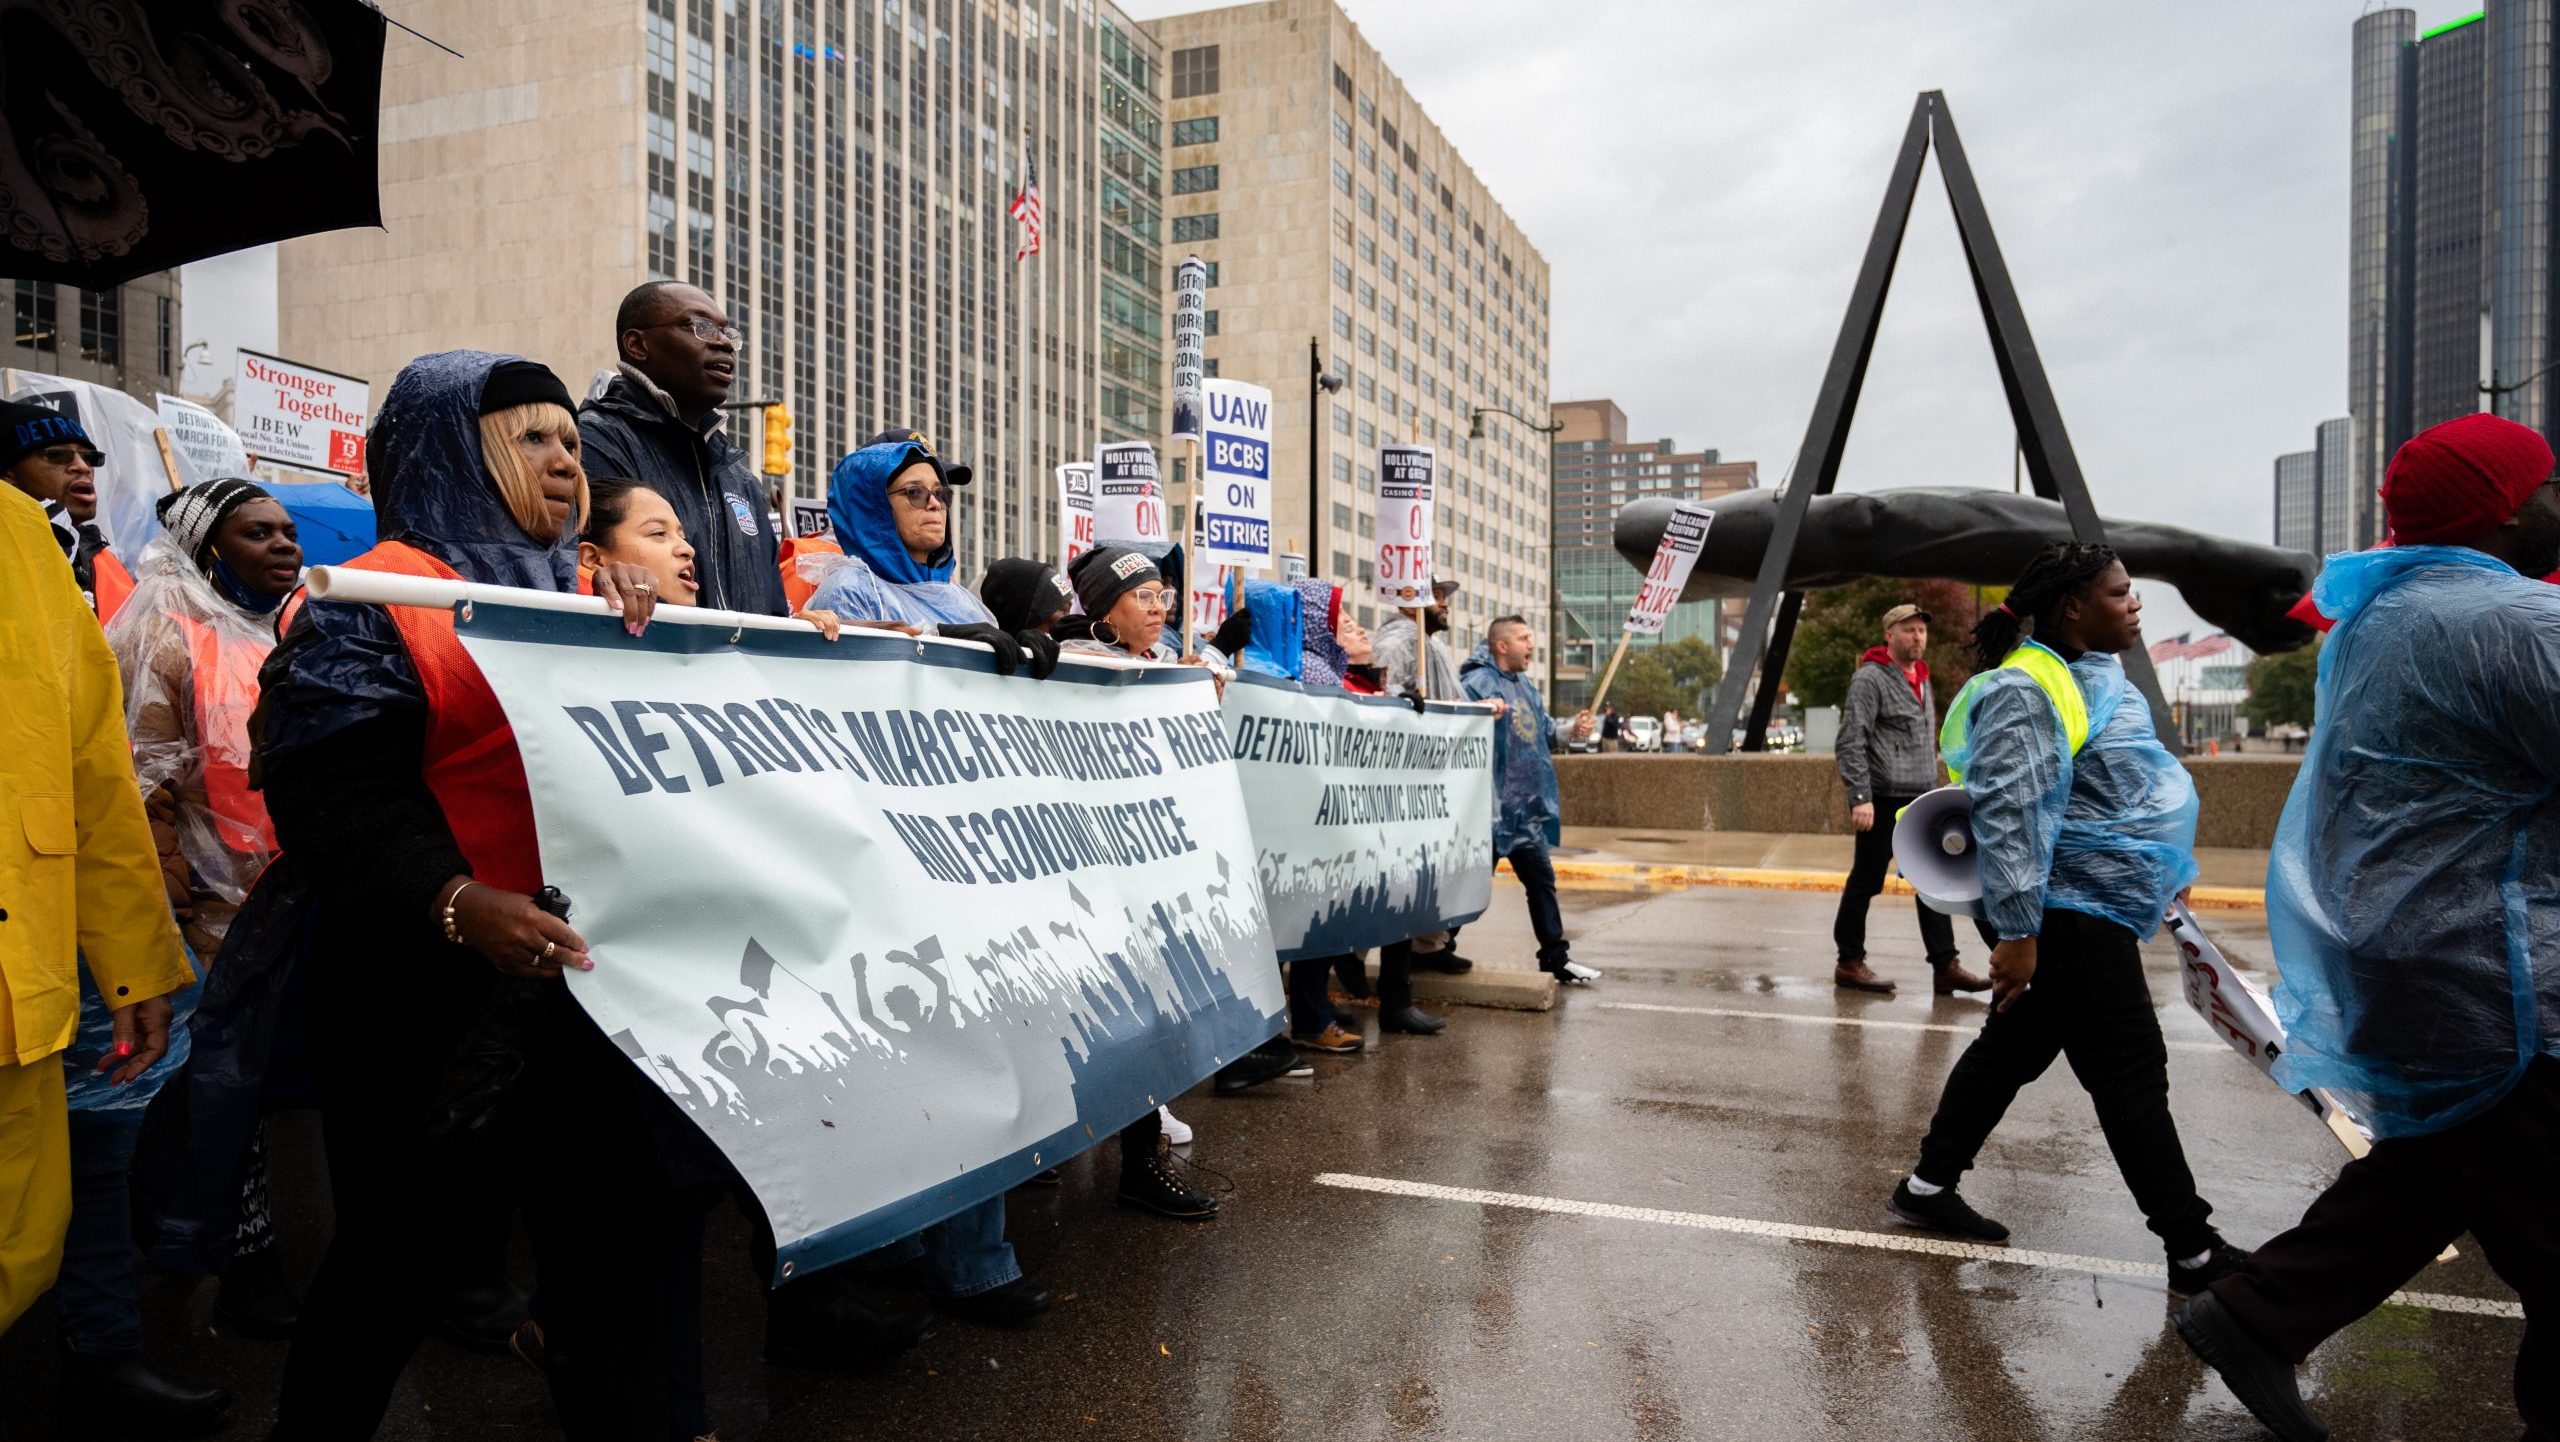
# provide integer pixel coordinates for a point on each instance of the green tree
(2280, 687)
(1837, 626)
(1675, 677)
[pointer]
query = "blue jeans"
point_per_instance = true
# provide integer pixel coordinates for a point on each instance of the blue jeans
(1538, 878)
(95, 1297)
(964, 1253)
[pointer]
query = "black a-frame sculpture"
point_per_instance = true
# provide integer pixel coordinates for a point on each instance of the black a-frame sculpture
(2051, 466)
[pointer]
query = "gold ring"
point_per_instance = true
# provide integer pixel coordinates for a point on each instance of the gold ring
(548, 947)
(643, 586)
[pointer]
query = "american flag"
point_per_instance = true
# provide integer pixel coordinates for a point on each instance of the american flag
(2169, 650)
(1026, 208)
(2213, 645)
(2179, 648)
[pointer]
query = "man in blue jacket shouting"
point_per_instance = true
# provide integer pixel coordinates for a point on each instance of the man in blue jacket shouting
(1524, 777)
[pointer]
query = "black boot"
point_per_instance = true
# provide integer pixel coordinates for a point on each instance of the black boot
(816, 1323)
(1015, 1304)
(1411, 1020)
(1352, 970)
(483, 1318)
(122, 1397)
(1396, 1011)
(1151, 1184)
(256, 1300)
(2262, 1379)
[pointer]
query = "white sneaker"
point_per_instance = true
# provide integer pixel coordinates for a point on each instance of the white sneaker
(1177, 1132)
(1580, 972)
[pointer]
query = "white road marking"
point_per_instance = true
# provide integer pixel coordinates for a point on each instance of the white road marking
(1802, 1020)
(1912, 1242)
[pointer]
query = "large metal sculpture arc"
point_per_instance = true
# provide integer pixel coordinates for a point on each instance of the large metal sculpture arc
(1979, 536)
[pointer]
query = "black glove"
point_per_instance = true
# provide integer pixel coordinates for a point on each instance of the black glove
(1420, 706)
(1042, 649)
(1008, 651)
(1234, 633)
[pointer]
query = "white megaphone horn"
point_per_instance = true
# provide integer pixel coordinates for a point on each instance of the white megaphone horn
(1933, 848)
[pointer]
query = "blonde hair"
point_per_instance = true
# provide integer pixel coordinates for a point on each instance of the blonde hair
(518, 486)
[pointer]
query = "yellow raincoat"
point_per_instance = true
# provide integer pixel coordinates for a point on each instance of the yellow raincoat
(79, 878)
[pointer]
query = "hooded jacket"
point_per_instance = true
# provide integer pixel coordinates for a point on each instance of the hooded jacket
(632, 430)
(2409, 891)
(1528, 805)
(876, 580)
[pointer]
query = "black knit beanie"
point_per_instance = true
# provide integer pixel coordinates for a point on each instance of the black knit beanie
(1023, 593)
(523, 383)
(1106, 573)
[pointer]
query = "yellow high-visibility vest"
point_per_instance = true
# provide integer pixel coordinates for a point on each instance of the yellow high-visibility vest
(2051, 674)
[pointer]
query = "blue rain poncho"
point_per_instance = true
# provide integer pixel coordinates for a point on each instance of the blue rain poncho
(1276, 645)
(2411, 892)
(876, 580)
(1527, 806)
(2109, 832)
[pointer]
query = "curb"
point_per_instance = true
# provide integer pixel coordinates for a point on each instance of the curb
(1674, 876)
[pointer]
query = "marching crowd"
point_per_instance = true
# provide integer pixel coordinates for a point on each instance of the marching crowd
(308, 832)
(290, 843)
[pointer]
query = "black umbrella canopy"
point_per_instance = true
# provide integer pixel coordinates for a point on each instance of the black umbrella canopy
(136, 135)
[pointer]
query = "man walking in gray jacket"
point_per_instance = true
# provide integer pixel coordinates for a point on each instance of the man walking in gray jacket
(1888, 756)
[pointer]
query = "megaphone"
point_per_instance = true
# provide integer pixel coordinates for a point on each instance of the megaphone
(1933, 848)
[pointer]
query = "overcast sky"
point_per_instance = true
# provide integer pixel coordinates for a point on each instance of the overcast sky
(2168, 183)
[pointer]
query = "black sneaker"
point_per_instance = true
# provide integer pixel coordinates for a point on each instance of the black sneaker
(2225, 1260)
(2262, 1380)
(1444, 961)
(1566, 976)
(1943, 1211)
(1152, 1185)
(1015, 1304)
(1256, 1067)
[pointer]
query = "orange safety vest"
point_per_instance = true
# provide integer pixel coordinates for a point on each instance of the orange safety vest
(473, 769)
(225, 674)
(795, 588)
(114, 584)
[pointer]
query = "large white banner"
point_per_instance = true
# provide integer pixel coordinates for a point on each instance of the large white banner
(1406, 478)
(1371, 823)
(896, 932)
(298, 415)
(1235, 477)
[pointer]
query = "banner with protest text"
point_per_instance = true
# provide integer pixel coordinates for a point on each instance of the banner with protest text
(1372, 823)
(1235, 476)
(897, 933)
(293, 414)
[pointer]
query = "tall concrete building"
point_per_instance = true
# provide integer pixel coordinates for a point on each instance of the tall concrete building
(836, 172)
(124, 337)
(2317, 505)
(1597, 471)
(1345, 234)
(2451, 303)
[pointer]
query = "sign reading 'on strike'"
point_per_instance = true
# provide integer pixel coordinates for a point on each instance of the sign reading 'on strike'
(1406, 476)
(1683, 537)
(1128, 505)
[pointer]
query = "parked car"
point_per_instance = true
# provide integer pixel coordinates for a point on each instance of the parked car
(1575, 745)
(1642, 733)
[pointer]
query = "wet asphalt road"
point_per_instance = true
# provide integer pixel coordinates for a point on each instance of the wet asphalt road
(1370, 1308)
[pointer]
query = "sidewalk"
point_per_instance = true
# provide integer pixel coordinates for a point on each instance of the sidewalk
(1601, 856)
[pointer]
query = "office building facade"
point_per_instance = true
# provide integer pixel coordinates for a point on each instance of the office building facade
(2298, 502)
(124, 337)
(2318, 507)
(1598, 470)
(1344, 232)
(837, 173)
(2451, 296)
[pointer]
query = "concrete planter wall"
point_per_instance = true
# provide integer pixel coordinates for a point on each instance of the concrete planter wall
(1801, 794)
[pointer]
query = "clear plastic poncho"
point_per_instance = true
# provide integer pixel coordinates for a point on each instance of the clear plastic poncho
(2109, 832)
(2413, 893)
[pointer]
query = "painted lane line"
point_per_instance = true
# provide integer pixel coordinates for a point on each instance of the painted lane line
(1799, 1020)
(1912, 1243)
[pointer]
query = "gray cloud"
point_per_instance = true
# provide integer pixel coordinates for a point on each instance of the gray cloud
(2168, 183)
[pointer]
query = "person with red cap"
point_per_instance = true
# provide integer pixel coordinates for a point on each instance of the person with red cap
(2410, 904)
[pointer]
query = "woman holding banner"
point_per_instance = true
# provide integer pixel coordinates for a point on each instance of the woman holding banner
(449, 1057)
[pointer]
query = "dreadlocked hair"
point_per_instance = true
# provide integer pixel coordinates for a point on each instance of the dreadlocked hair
(2058, 572)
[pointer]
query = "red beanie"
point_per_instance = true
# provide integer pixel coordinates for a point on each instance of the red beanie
(2462, 479)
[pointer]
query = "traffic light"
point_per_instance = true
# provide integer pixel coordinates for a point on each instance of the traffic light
(777, 440)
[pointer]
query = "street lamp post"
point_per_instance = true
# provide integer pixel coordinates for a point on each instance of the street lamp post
(2495, 392)
(1320, 384)
(1555, 595)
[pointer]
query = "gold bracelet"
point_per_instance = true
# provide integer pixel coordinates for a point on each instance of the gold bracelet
(453, 933)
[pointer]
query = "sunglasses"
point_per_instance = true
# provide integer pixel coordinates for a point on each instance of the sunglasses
(65, 455)
(921, 497)
(705, 329)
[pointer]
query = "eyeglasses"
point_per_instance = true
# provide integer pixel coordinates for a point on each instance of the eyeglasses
(1153, 598)
(921, 497)
(65, 455)
(706, 329)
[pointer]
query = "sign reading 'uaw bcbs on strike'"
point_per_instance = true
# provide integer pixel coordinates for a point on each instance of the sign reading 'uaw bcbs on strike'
(1235, 476)
(1682, 539)
(1128, 498)
(1407, 475)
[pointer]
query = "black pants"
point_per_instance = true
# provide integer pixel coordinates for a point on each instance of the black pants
(2088, 1004)
(1546, 917)
(1866, 882)
(2389, 1213)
